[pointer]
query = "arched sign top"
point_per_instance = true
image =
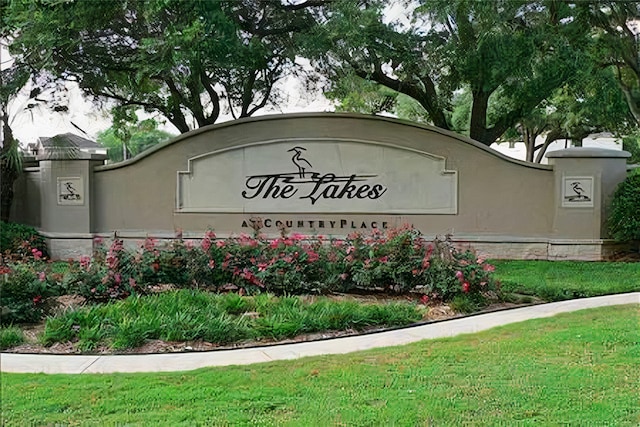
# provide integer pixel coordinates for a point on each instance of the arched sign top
(341, 119)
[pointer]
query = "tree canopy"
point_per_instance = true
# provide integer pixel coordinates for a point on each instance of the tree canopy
(486, 69)
(517, 50)
(187, 60)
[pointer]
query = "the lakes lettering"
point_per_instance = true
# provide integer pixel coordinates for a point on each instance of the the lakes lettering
(307, 184)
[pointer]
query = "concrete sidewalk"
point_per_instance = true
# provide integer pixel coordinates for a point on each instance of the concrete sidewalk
(80, 364)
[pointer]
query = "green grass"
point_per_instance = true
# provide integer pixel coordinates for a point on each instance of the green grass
(10, 336)
(573, 369)
(561, 280)
(188, 315)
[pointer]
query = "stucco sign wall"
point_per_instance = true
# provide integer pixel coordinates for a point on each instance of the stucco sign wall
(318, 176)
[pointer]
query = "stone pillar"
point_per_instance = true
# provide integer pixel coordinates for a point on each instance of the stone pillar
(585, 180)
(66, 190)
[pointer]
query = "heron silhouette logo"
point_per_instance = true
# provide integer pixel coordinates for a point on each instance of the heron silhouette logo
(579, 193)
(71, 193)
(300, 161)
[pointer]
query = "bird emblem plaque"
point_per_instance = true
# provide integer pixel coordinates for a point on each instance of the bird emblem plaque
(70, 191)
(577, 192)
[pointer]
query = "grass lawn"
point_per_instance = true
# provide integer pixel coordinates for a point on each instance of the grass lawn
(561, 280)
(573, 369)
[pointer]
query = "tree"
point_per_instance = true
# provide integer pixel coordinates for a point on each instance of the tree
(616, 27)
(593, 103)
(187, 60)
(11, 80)
(517, 50)
(128, 136)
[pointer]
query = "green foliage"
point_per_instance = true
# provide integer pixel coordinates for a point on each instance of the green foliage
(187, 60)
(624, 219)
(10, 336)
(509, 55)
(519, 374)
(614, 41)
(26, 289)
(125, 140)
(189, 315)
(632, 145)
(19, 240)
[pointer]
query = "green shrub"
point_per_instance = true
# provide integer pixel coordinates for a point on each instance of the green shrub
(20, 241)
(632, 145)
(624, 219)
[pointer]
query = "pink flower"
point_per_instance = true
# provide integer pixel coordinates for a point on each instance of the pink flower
(212, 264)
(343, 276)
(37, 299)
(85, 262)
(298, 236)
(132, 282)
(117, 245)
(149, 244)
(424, 299)
(36, 254)
(112, 261)
(42, 276)
(384, 259)
(262, 266)
(488, 267)
(350, 249)
(465, 287)
(118, 278)
(274, 244)
(189, 244)
(312, 256)
(205, 244)
(210, 235)
(460, 275)
(220, 243)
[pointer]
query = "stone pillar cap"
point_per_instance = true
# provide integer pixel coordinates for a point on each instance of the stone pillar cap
(589, 152)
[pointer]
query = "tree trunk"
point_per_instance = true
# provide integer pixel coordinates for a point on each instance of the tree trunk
(553, 135)
(478, 125)
(529, 136)
(8, 169)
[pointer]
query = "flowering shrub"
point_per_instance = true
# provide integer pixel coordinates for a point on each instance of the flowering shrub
(20, 241)
(395, 260)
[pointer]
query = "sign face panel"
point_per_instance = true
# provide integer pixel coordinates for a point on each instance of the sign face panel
(70, 191)
(577, 192)
(316, 176)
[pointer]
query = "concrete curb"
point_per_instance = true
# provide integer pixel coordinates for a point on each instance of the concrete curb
(81, 364)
